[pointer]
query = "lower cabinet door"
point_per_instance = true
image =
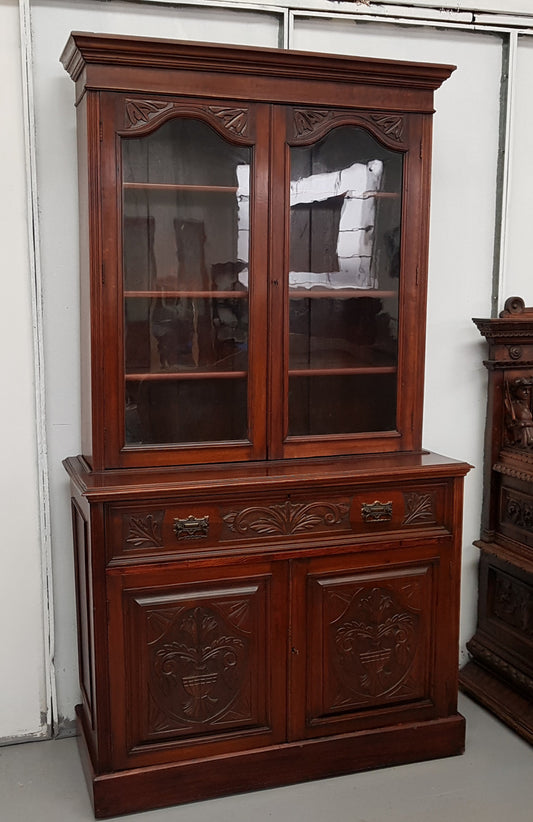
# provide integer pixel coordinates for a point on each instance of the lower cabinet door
(364, 651)
(197, 661)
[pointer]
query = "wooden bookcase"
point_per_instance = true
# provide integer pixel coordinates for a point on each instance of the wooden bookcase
(267, 560)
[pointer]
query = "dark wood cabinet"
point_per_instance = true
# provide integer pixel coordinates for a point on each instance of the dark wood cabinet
(267, 560)
(500, 672)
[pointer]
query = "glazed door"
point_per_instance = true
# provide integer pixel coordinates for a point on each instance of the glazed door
(197, 661)
(190, 306)
(347, 298)
(363, 649)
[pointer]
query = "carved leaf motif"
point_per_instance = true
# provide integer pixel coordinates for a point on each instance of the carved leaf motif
(142, 111)
(234, 119)
(418, 508)
(286, 518)
(390, 124)
(145, 532)
(199, 670)
(306, 120)
(375, 649)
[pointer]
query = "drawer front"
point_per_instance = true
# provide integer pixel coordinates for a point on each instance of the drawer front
(382, 509)
(149, 530)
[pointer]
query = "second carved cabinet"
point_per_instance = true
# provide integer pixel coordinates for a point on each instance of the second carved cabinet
(267, 560)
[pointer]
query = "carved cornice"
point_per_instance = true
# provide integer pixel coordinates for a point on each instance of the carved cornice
(505, 669)
(511, 471)
(84, 50)
(503, 329)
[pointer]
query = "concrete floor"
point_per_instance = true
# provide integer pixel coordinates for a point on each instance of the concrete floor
(492, 782)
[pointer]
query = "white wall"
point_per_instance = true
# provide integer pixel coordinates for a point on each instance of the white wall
(462, 229)
(22, 664)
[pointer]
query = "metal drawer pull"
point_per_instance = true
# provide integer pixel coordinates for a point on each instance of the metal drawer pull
(191, 527)
(376, 511)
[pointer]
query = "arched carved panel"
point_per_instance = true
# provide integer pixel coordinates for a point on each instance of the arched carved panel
(306, 125)
(144, 115)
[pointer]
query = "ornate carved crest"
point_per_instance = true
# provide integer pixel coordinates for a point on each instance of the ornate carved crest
(390, 124)
(234, 119)
(139, 112)
(287, 517)
(306, 120)
(418, 508)
(144, 531)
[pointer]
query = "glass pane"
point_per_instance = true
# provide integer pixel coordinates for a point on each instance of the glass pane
(185, 261)
(342, 333)
(175, 334)
(173, 411)
(342, 404)
(345, 195)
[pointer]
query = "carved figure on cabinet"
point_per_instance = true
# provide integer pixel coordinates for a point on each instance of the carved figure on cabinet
(519, 418)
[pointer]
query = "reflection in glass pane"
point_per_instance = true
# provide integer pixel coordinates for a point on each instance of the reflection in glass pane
(186, 203)
(185, 208)
(345, 196)
(172, 411)
(170, 333)
(344, 262)
(342, 404)
(342, 333)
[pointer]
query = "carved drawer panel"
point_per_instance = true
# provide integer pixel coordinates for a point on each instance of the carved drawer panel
(385, 509)
(516, 513)
(147, 530)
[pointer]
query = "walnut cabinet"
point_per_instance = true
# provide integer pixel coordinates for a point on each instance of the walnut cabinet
(267, 561)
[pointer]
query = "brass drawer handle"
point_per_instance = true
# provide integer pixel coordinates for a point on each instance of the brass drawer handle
(376, 511)
(191, 527)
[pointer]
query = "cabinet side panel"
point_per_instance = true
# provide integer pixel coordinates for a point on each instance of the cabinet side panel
(82, 566)
(85, 296)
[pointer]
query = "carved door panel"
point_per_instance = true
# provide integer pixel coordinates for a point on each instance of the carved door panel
(192, 661)
(363, 654)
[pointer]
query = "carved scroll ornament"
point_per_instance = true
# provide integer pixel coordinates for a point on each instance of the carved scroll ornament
(286, 518)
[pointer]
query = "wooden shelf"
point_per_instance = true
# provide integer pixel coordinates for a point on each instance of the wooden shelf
(179, 187)
(213, 295)
(340, 372)
(301, 293)
(185, 375)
